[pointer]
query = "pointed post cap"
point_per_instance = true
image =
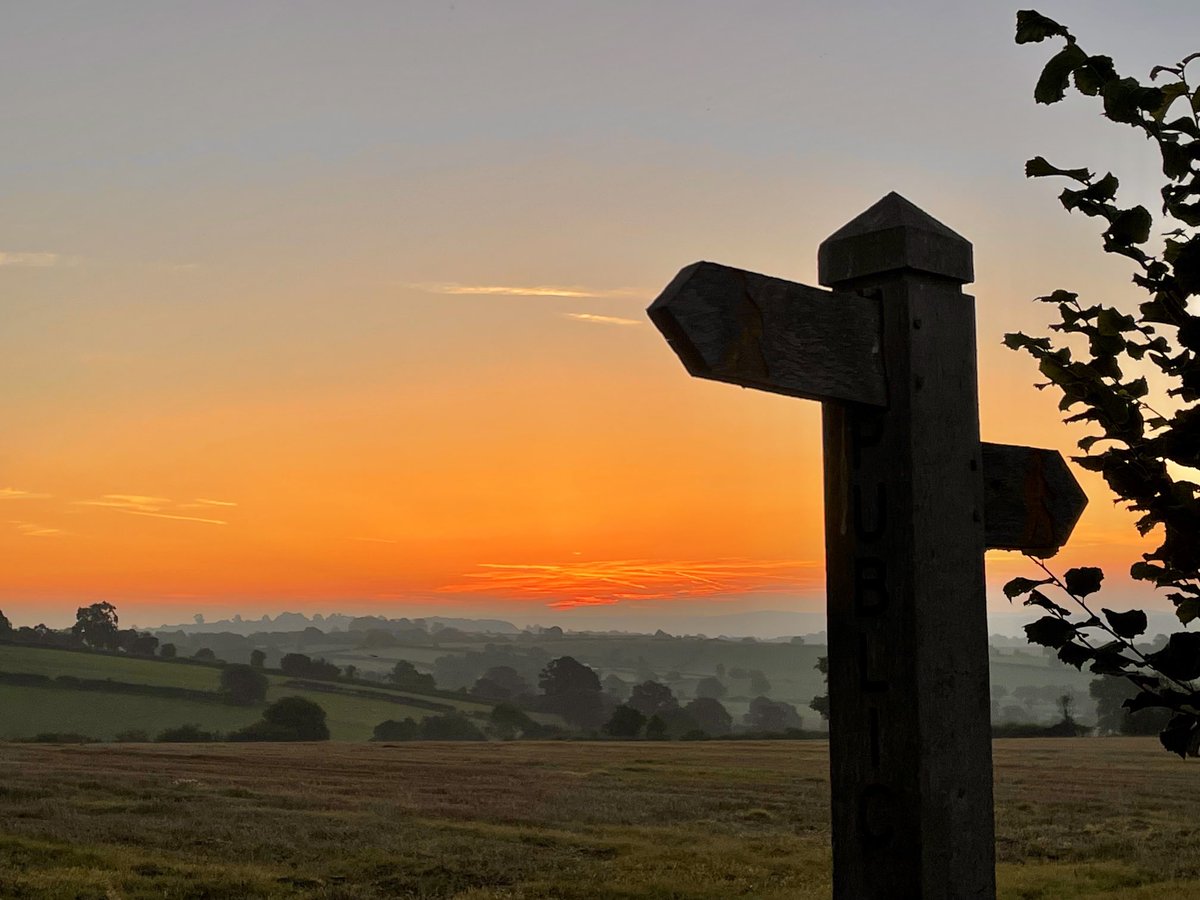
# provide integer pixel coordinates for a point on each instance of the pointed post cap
(894, 236)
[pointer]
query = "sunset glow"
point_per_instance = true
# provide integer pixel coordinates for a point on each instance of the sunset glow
(302, 323)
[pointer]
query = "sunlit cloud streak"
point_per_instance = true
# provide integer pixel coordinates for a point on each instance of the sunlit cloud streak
(601, 320)
(8, 493)
(156, 507)
(30, 529)
(608, 582)
(508, 290)
(158, 515)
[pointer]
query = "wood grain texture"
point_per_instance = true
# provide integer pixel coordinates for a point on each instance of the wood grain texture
(1031, 499)
(751, 330)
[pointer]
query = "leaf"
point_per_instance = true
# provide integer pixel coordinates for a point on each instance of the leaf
(1180, 658)
(1144, 571)
(1059, 296)
(1075, 654)
(1037, 598)
(1131, 226)
(1171, 92)
(1038, 167)
(1180, 735)
(1018, 586)
(1033, 27)
(1083, 580)
(1188, 610)
(1092, 76)
(1052, 84)
(1186, 266)
(1126, 624)
(1122, 100)
(1050, 631)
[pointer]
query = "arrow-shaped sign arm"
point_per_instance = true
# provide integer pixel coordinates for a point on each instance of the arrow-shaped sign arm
(751, 330)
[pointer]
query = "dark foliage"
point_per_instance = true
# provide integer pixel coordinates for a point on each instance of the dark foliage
(243, 685)
(625, 722)
(1131, 443)
(96, 625)
(185, 734)
(287, 719)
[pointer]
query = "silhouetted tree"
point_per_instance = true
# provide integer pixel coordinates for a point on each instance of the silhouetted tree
(258, 658)
(450, 727)
(656, 729)
(205, 654)
(572, 690)
(6, 629)
(144, 645)
(405, 675)
(772, 715)
(392, 730)
(500, 683)
(243, 685)
(615, 687)
(299, 665)
(96, 625)
(651, 697)
(710, 687)
(820, 704)
(510, 722)
(768, 714)
(626, 722)
(287, 719)
(710, 715)
(167, 651)
(759, 683)
(185, 734)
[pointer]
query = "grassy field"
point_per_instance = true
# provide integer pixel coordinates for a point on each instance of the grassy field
(1109, 818)
(30, 710)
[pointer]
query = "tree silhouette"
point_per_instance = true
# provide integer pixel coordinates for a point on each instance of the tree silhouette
(651, 698)
(572, 690)
(243, 685)
(96, 625)
(626, 722)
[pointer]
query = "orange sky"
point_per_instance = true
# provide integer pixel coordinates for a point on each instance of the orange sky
(328, 342)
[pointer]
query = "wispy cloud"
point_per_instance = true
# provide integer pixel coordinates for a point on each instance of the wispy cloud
(31, 529)
(606, 582)
(601, 320)
(513, 290)
(127, 502)
(155, 507)
(18, 260)
(203, 503)
(7, 493)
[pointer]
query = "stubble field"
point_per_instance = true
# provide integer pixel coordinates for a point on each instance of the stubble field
(1075, 818)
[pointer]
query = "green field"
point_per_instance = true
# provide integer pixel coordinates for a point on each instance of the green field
(30, 710)
(1108, 818)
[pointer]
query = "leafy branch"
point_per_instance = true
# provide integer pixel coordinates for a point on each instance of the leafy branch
(1140, 452)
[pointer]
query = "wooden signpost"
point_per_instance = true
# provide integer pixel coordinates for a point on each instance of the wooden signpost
(912, 499)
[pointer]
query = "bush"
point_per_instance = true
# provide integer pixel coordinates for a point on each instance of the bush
(185, 734)
(391, 730)
(133, 736)
(243, 685)
(450, 727)
(60, 737)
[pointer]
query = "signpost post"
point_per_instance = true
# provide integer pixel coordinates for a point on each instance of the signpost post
(912, 499)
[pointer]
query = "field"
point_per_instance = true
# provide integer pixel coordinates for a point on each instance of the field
(1110, 818)
(30, 710)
